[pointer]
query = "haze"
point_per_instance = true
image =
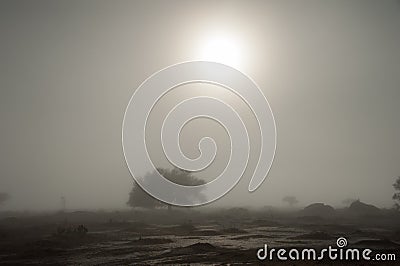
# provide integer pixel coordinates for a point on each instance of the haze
(330, 71)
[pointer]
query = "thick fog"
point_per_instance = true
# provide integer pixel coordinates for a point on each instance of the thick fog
(329, 69)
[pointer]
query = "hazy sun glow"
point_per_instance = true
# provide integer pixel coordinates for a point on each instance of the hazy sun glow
(221, 49)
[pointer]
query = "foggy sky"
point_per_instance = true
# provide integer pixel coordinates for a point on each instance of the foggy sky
(329, 69)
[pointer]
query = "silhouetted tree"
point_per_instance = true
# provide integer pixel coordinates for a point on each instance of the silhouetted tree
(396, 195)
(291, 200)
(139, 198)
(3, 197)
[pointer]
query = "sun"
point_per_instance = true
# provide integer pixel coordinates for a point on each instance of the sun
(221, 49)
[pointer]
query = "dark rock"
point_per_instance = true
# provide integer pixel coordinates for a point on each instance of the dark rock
(359, 207)
(318, 209)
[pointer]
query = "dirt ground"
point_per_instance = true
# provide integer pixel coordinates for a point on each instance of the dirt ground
(187, 236)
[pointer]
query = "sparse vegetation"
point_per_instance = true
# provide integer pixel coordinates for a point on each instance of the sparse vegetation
(72, 230)
(396, 195)
(186, 236)
(291, 200)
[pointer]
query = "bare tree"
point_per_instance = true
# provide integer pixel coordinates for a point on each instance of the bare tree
(396, 195)
(3, 197)
(63, 201)
(291, 200)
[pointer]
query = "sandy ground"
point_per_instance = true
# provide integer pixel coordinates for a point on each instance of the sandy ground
(186, 237)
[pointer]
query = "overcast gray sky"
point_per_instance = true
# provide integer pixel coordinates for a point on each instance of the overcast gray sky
(330, 70)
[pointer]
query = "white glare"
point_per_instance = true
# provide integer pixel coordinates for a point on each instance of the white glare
(221, 50)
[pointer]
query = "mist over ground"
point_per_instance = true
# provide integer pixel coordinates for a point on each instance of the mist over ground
(330, 71)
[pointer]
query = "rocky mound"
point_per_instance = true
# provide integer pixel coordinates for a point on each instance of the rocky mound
(318, 209)
(359, 207)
